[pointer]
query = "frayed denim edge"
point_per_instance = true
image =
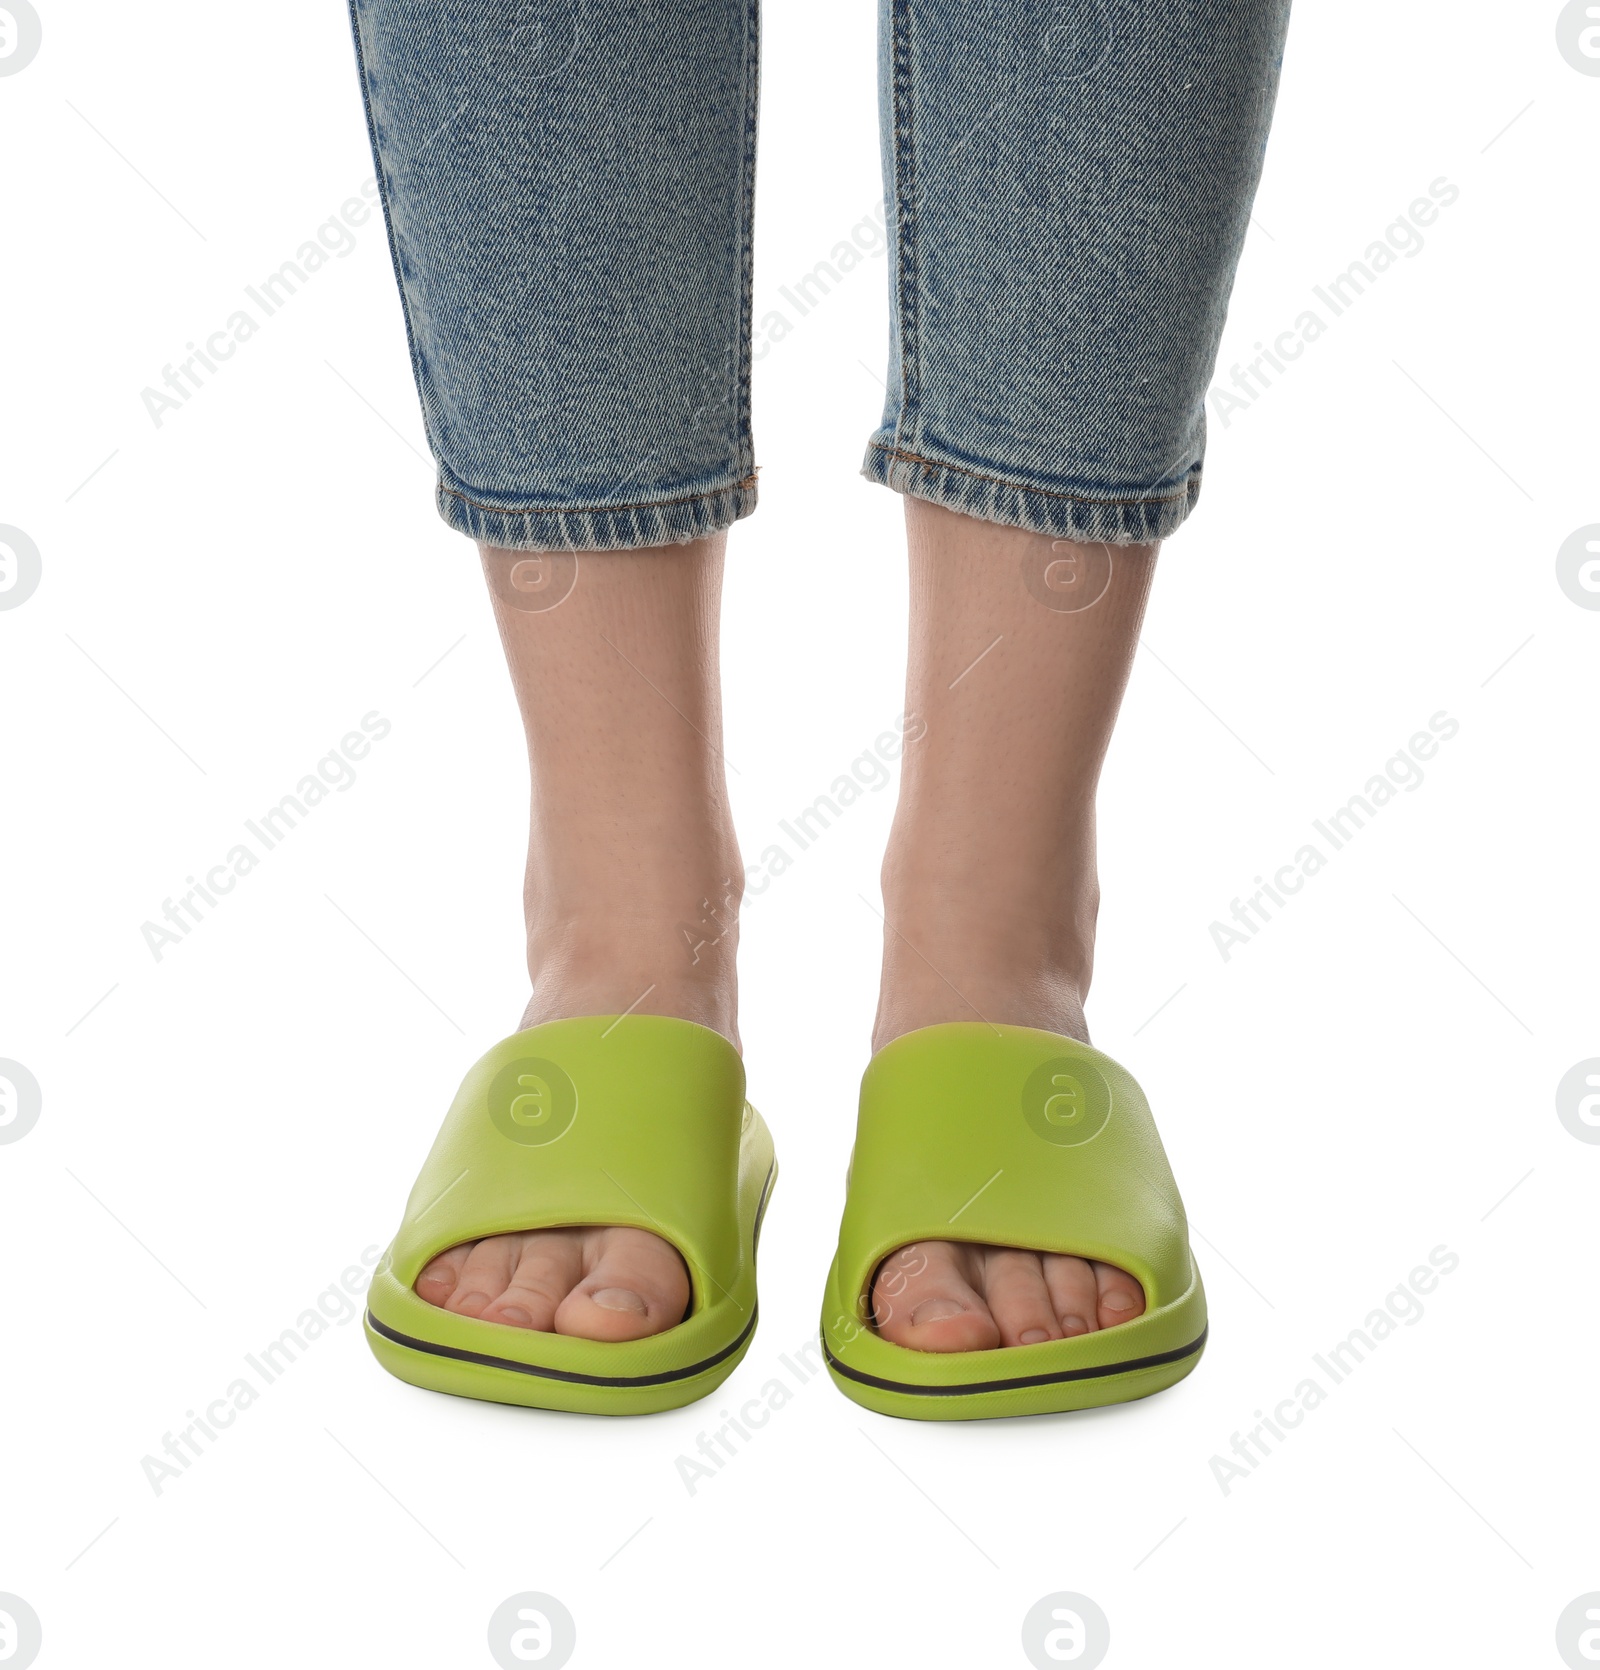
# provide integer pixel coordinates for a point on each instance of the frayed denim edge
(599, 527)
(1061, 515)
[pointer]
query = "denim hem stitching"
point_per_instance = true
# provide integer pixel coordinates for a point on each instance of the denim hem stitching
(1024, 487)
(600, 509)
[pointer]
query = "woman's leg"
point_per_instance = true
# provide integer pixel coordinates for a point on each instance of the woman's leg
(1070, 186)
(568, 194)
(633, 879)
(1020, 650)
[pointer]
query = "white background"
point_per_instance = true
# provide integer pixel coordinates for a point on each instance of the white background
(225, 1130)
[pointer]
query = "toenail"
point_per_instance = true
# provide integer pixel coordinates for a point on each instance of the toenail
(473, 1299)
(1074, 1325)
(515, 1315)
(1117, 1301)
(934, 1310)
(619, 1298)
(1033, 1336)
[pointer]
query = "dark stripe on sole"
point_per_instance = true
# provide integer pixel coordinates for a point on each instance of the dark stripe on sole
(761, 1208)
(619, 1380)
(1100, 1371)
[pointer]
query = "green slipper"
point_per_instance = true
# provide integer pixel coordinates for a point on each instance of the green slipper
(633, 1120)
(1017, 1138)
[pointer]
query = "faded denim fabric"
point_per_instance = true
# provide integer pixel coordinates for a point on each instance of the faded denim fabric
(569, 191)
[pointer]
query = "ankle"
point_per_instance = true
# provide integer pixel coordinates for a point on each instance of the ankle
(987, 947)
(918, 992)
(644, 949)
(662, 876)
(988, 906)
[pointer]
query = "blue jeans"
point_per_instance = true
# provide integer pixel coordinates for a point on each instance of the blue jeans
(569, 187)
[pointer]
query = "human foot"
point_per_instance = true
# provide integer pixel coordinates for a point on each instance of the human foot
(631, 891)
(943, 962)
(594, 1281)
(965, 1296)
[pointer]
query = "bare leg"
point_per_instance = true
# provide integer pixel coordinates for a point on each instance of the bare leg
(633, 878)
(1020, 651)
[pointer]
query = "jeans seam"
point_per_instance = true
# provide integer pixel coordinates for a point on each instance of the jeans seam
(744, 437)
(419, 369)
(905, 219)
(598, 509)
(1023, 487)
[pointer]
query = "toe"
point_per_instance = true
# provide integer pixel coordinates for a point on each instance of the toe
(924, 1298)
(485, 1275)
(1121, 1297)
(548, 1267)
(1014, 1286)
(635, 1284)
(1074, 1294)
(438, 1279)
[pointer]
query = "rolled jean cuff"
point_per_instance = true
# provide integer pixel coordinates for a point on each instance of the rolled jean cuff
(1124, 519)
(629, 527)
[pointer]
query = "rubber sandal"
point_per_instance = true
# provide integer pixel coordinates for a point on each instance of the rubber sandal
(638, 1120)
(1018, 1138)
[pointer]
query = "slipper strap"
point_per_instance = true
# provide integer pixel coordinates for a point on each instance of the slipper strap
(1014, 1137)
(631, 1120)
